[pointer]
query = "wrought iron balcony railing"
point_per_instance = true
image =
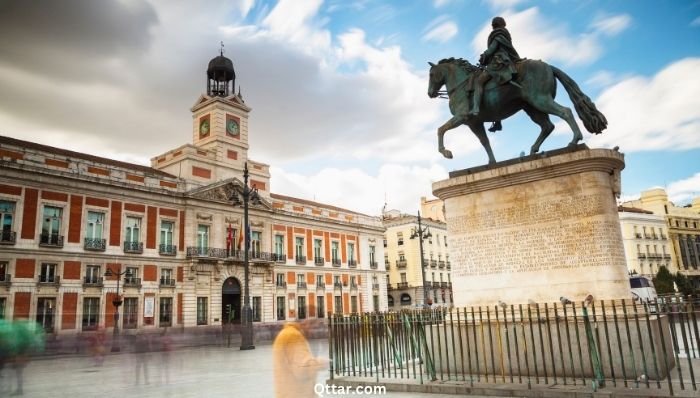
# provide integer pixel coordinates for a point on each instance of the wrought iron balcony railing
(338, 285)
(279, 258)
(49, 280)
(301, 260)
(210, 252)
(133, 247)
(96, 244)
(352, 263)
(433, 263)
(335, 262)
(167, 282)
(401, 263)
(301, 285)
(281, 284)
(449, 266)
(402, 285)
(375, 286)
(441, 264)
(8, 237)
(320, 285)
(51, 240)
(5, 279)
(167, 250)
(93, 281)
(373, 265)
(319, 261)
(132, 282)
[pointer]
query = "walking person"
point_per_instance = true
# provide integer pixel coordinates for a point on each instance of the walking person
(142, 349)
(295, 367)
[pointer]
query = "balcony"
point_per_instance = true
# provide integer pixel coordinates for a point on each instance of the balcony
(206, 252)
(5, 279)
(641, 255)
(133, 247)
(387, 265)
(373, 265)
(352, 263)
(443, 284)
(319, 261)
(401, 264)
(441, 264)
(338, 285)
(449, 266)
(167, 250)
(167, 282)
(402, 285)
(336, 262)
(8, 238)
(132, 282)
(95, 244)
(433, 263)
(279, 258)
(638, 235)
(92, 281)
(300, 260)
(353, 286)
(662, 236)
(320, 285)
(301, 285)
(281, 285)
(435, 284)
(49, 280)
(375, 286)
(667, 256)
(51, 240)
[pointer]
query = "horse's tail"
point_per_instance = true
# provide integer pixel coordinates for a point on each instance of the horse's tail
(592, 119)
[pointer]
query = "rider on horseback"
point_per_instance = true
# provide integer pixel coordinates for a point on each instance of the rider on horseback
(499, 59)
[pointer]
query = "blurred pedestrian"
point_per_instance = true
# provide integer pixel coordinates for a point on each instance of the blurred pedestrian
(142, 347)
(295, 368)
(98, 342)
(165, 348)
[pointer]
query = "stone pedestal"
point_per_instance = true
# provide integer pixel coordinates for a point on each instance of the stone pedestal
(536, 228)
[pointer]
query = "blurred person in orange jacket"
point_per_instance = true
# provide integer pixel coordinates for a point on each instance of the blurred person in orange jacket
(295, 368)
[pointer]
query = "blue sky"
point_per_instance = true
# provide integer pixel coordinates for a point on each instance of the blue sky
(338, 88)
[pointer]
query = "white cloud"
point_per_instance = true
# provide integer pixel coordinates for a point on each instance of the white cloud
(440, 30)
(612, 25)
(441, 3)
(356, 190)
(499, 5)
(660, 112)
(684, 190)
(696, 22)
(602, 78)
(554, 43)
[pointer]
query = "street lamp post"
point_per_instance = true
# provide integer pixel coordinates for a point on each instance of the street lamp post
(247, 334)
(421, 234)
(116, 302)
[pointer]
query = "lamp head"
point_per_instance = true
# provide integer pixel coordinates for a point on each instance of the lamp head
(109, 272)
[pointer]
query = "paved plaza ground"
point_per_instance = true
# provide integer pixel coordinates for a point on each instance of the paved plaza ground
(192, 372)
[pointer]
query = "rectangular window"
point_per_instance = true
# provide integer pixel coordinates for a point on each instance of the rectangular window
(399, 238)
(353, 304)
(320, 307)
(403, 277)
(281, 313)
(336, 280)
(301, 280)
(279, 245)
(301, 301)
(51, 225)
(45, 313)
(132, 230)
(131, 312)
(7, 214)
(92, 274)
(91, 313)
(202, 236)
(255, 245)
(3, 303)
(281, 280)
(371, 254)
(95, 222)
(317, 248)
(338, 304)
(48, 273)
(299, 246)
(132, 275)
(351, 252)
(375, 303)
(335, 251)
(319, 280)
(166, 311)
(257, 309)
(166, 232)
(202, 311)
(353, 281)
(166, 276)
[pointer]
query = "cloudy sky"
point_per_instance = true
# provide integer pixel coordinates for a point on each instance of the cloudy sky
(338, 87)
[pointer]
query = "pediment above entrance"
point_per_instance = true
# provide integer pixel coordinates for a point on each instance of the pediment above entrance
(228, 191)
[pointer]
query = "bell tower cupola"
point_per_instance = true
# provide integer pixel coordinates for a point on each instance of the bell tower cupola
(221, 78)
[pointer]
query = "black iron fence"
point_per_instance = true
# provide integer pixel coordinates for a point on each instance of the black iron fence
(590, 344)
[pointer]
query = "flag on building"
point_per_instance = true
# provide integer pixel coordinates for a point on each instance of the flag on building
(240, 237)
(229, 240)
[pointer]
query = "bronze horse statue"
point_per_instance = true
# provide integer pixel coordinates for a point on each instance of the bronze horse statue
(533, 91)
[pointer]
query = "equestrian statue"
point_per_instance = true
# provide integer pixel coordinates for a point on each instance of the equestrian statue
(504, 84)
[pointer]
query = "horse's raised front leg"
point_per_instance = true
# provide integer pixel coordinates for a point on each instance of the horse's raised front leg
(456, 120)
(478, 129)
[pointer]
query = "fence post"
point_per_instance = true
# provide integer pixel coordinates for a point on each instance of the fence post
(595, 356)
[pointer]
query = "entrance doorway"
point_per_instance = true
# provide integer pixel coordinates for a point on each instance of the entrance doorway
(231, 301)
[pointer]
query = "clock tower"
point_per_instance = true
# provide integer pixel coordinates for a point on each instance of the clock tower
(219, 146)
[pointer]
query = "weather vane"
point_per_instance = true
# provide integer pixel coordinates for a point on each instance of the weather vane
(222, 47)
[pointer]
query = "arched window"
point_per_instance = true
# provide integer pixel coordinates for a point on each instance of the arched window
(391, 300)
(405, 299)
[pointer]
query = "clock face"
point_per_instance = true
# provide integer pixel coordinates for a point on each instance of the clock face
(204, 127)
(232, 127)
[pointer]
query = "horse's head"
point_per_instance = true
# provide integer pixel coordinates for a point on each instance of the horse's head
(437, 79)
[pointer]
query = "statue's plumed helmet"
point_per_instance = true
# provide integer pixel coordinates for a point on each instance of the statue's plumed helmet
(498, 22)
